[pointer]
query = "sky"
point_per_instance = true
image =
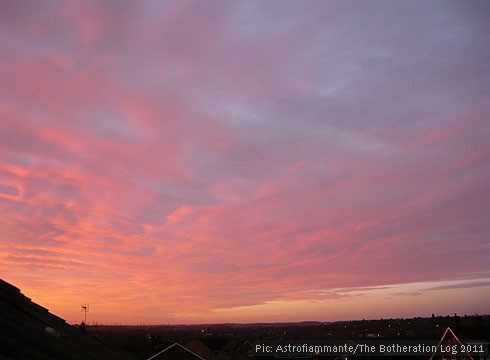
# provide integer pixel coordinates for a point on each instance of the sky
(246, 161)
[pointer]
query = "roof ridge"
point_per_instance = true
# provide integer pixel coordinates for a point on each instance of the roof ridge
(182, 346)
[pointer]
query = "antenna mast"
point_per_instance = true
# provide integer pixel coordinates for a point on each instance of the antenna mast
(85, 310)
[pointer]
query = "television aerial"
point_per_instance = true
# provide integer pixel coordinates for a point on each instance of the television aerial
(85, 311)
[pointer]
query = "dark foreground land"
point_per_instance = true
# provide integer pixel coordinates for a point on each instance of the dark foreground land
(29, 331)
(144, 341)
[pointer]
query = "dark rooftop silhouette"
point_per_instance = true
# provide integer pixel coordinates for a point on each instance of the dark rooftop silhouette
(30, 331)
(176, 351)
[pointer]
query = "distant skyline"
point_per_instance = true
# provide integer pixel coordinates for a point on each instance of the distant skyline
(254, 161)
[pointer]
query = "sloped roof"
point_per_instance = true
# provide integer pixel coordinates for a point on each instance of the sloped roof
(176, 352)
(30, 331)
(451, 336)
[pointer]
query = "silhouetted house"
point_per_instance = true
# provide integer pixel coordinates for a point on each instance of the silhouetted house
(244, 350)
(176, 352)
(452, 339)
(213, 347)
(348, 343)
